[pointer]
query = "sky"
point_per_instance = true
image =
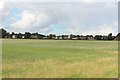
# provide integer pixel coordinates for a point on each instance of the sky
(85, 17)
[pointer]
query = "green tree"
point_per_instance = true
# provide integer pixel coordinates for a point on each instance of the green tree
(20, 35)
(53, 36)
(3, 33)
(27, 35)
(50, 36)
(7, 35)
(110, 36)
(63, 36)
(71, 36)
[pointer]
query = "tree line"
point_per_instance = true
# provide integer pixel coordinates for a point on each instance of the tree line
(28, 35)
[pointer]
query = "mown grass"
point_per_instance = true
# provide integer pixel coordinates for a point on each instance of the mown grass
(59, 59)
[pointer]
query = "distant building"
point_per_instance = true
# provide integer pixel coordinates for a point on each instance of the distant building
(66, 37)
(37, 36)
(33, 36)
(8, 35)
(57, 37)
(82, 37)
(98, 37)
(105, 37)
(53, 37)
(74, 38)
(45, 37)
(89, 37)
(14, 36)
(23, 37)
(60, 37)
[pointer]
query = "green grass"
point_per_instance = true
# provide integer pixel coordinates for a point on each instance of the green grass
(59, 59)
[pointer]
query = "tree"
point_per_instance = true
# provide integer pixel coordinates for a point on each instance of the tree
(3, 33)
(71, 36)
(13, 33)
(7, 35)
(27, 35)
(98, 37)
(20, 35)
(53, 36)
(50, 36)
(63, 36)
(110, 36)
(78, 37)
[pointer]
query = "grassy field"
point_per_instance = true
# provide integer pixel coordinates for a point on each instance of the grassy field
(59, 58)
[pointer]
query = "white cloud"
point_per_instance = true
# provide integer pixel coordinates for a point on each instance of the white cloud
(76, 18)
(2, 4)
(103, 29)
(26, 19)
(41, 18)
(31, 21)
(108, 28)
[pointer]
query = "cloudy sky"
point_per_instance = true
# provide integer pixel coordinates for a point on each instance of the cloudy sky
(70, 17)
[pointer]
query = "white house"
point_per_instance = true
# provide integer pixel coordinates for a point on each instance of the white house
(14, 36)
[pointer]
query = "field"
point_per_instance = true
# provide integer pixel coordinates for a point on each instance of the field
(59, 59)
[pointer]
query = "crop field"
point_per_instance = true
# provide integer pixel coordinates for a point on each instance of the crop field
(59, 59)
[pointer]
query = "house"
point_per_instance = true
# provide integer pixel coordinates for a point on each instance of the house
(23, 37)
(105, 37)
(34, 36)
(45, 37)
(89, 37)
(37, 36)
(53, 37)
(74, 38)
(66, 37)
(8, 35)
(14, 36)
(98, 37)
(57, 37)
(60, 37)
(20, 36)
(82, 37)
